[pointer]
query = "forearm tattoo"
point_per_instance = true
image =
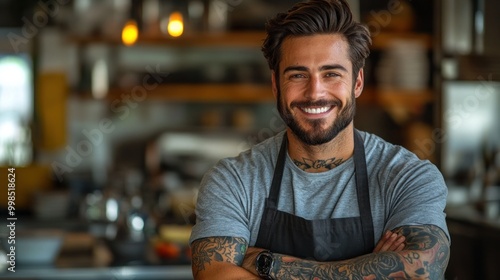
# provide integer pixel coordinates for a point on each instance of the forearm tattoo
(217, 249)
(425, 256)
(307, 164)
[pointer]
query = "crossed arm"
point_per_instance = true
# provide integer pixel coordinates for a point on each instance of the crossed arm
(424, 256)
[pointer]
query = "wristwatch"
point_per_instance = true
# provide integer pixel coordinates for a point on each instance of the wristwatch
(264, 264)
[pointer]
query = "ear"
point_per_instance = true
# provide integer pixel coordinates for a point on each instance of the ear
(359, 83)
(274, 85)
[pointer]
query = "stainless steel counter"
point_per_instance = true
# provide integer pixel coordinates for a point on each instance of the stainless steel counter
(112, 273)
(82, 265)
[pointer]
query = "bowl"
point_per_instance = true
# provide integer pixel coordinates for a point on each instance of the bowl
(128, 252)
(35, 248)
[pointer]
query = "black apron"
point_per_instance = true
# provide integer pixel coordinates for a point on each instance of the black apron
(321, 240)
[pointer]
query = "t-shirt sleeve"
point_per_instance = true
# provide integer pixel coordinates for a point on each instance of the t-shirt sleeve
(417, 196)
(220, 207)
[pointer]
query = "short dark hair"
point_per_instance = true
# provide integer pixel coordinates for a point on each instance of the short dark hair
(317, 17)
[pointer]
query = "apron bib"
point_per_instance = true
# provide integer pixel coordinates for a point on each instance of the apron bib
(324, 239)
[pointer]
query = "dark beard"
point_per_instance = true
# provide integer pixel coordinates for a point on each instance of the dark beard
(319, 136)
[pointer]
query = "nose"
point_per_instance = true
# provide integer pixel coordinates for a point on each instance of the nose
(316, 88)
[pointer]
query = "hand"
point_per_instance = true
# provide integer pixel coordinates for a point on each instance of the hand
(250, 257)
(390, 242)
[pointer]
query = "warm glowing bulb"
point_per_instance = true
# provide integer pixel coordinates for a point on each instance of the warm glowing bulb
(175, 24)
(130, 33)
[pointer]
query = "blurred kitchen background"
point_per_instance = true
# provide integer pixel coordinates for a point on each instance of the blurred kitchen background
(112, 110)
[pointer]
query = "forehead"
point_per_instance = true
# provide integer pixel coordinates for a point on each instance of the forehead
(314, 50)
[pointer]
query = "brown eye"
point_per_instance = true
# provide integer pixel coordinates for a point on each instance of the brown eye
(297, 76)
(332, 75)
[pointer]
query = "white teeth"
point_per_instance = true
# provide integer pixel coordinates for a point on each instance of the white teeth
(316, 110)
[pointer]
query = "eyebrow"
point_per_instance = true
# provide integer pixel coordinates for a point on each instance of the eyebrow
(295, 68)
(333, 67)
(322, 68)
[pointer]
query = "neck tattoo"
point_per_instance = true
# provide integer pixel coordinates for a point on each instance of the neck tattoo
(307, 164)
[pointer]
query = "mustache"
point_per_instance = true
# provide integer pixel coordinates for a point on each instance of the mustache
(317, 103)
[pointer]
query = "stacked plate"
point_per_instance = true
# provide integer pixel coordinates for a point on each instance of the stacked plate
(404, 65)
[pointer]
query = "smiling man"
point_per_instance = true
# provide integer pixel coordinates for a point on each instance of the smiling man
(321, 200)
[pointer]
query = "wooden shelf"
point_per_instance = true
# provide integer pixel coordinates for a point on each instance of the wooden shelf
(397, 97)
(383, 40)
(401, 104)
(380, 40)
(230, 39)
(221, 93)
(251, 93)
(406, 98)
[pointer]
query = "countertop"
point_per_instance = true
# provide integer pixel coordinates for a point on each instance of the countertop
(464, 206)
(83, 256)
(104, 273)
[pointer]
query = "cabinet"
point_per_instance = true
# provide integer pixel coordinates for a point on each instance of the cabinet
(399, 90)
(468, 82)
(475, 243)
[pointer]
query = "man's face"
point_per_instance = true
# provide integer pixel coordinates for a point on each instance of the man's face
(316, 92)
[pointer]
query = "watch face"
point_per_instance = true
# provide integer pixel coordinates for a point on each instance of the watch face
(264, 263)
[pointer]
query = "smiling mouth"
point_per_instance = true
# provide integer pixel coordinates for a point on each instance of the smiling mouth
(316, 110)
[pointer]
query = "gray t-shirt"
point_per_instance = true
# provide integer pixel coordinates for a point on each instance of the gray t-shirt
(403, 191)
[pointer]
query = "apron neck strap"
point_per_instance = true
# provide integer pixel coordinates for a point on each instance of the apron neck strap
(363, 191)
(278, 175)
